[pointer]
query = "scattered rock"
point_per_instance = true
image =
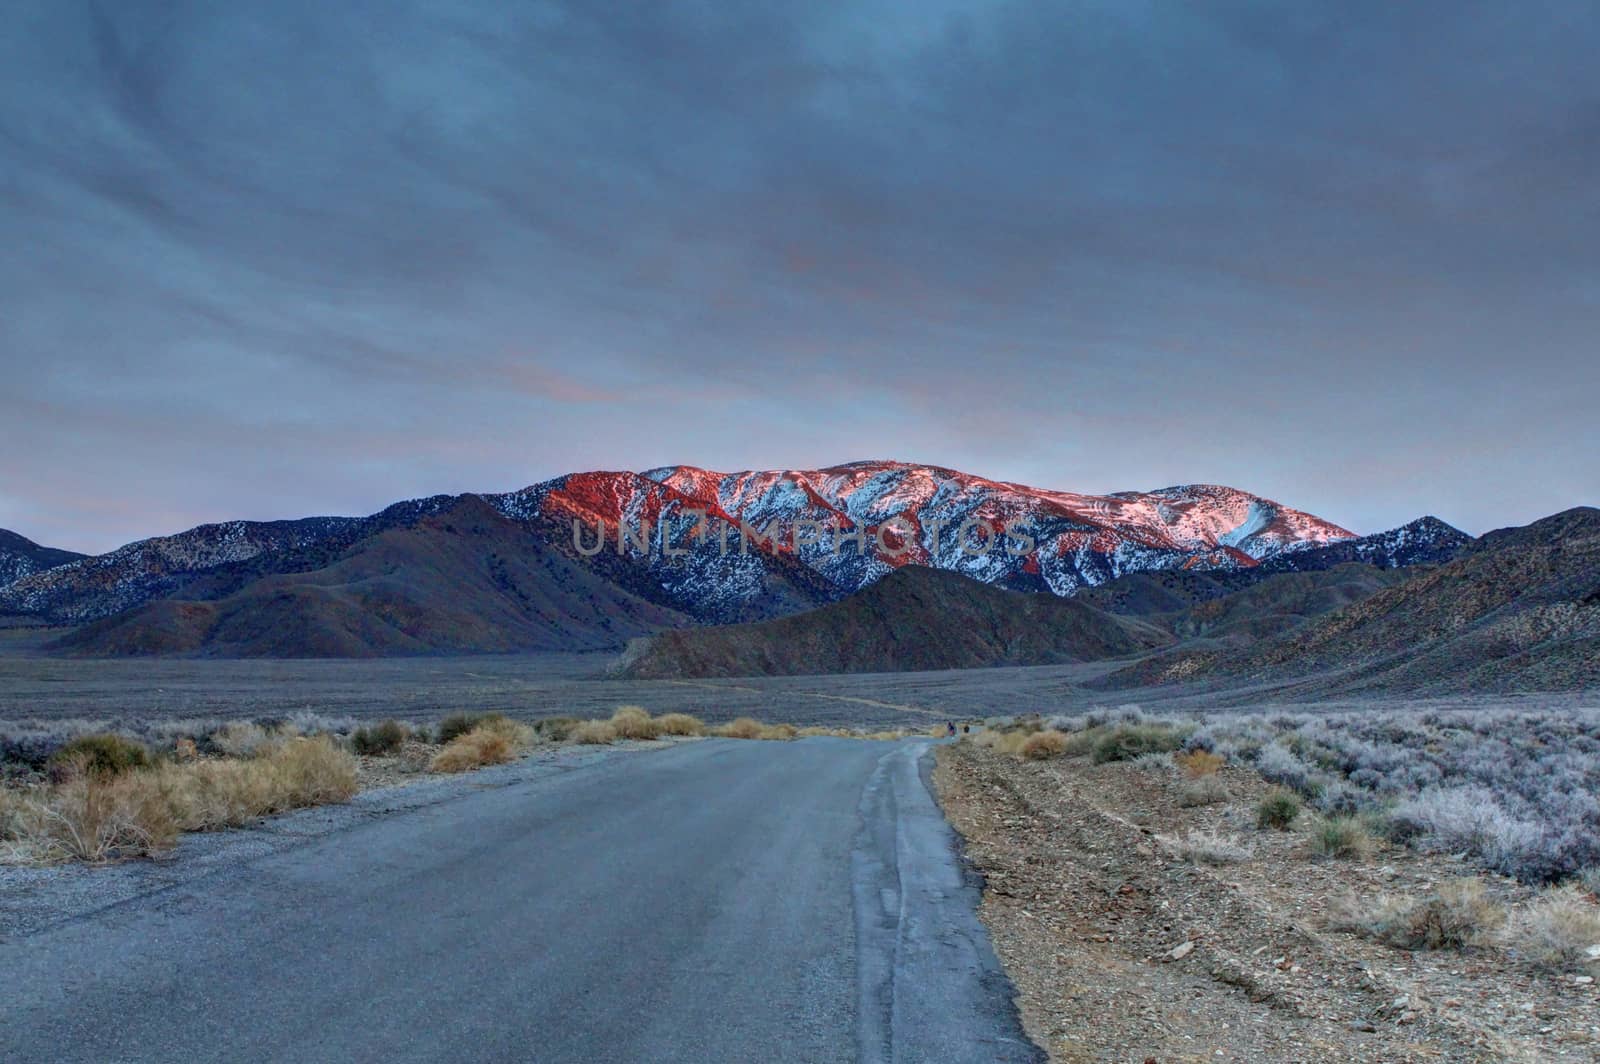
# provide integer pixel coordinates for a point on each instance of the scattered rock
(1180, 951)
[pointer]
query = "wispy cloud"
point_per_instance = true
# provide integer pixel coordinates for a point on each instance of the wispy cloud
(267, 259)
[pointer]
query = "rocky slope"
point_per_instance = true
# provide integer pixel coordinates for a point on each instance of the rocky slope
(463, 580)
(20, 557)
(1425, 541)
(1519, 609)
(915, 618)
(203, 562)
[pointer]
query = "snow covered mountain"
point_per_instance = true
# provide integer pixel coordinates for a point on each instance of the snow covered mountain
(894, 513)
(1425, 541)
(741, 546)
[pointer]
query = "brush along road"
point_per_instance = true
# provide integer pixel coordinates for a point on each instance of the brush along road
(712, 901)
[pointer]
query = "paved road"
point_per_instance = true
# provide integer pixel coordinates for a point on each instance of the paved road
(715, 901)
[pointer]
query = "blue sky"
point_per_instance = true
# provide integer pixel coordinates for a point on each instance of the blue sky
(265, 260)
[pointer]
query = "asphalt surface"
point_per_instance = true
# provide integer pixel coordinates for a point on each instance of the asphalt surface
(714, 901)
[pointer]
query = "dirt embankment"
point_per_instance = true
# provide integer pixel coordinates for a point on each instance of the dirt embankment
(1124, 950)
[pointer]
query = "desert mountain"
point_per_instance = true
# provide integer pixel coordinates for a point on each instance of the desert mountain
(1425, 541)
(740, 546)
(1278, 603)
(20, 556)
(464, 579)
(914, 618)
(1173, 591)
(1060, 542)
(1519, 609)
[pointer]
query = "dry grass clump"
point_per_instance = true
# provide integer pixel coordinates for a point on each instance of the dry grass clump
(681, 724)
(1341, 837)
(296, 774)
(633, 722)
(1197, 764)
(13, 810)
(1457, 915)
(242, 738)
(594, 733)
(780, 732)
(743, 728)
(98, 817)
(1208, 847)
(1206, 790)
(1004, 742)
(1560, 929)
(95, 818)
(494, 742)
(458, 724)
(1041, 746)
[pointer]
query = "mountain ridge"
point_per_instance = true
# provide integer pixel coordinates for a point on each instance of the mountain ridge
(1080, 540)
(915, 618)
(21, 556)
(463, 579)
(1517, 609)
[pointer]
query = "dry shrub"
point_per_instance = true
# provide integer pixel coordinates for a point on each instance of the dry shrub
(1197, 764)
(811, 730)
(633, 722)
(1205, 790)
(97, 818)
(1161, 764)
(1278, 809)
(312, 772)
(884, 736)
(555, 729)
(497, 740)
(140, 813)
(1127, 741)
(681, 724)
(1041, 746)
(384, 738)
(13, 815)
(743, 728)
(1005, 742)
(1207, 847)
(241, 738)
(294, 775)
(780, 732)
(1560, 929)
(458, 724)
(594, 733)
(185, 750)
(102, 754)
(476, 749)
(1459, 914)
(1341, 837)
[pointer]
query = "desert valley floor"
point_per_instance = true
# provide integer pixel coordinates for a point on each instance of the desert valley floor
(34, 687)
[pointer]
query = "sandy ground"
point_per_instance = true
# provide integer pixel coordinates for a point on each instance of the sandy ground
(1123, 951)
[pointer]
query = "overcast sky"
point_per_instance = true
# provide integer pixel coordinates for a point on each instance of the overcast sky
(272, 259)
